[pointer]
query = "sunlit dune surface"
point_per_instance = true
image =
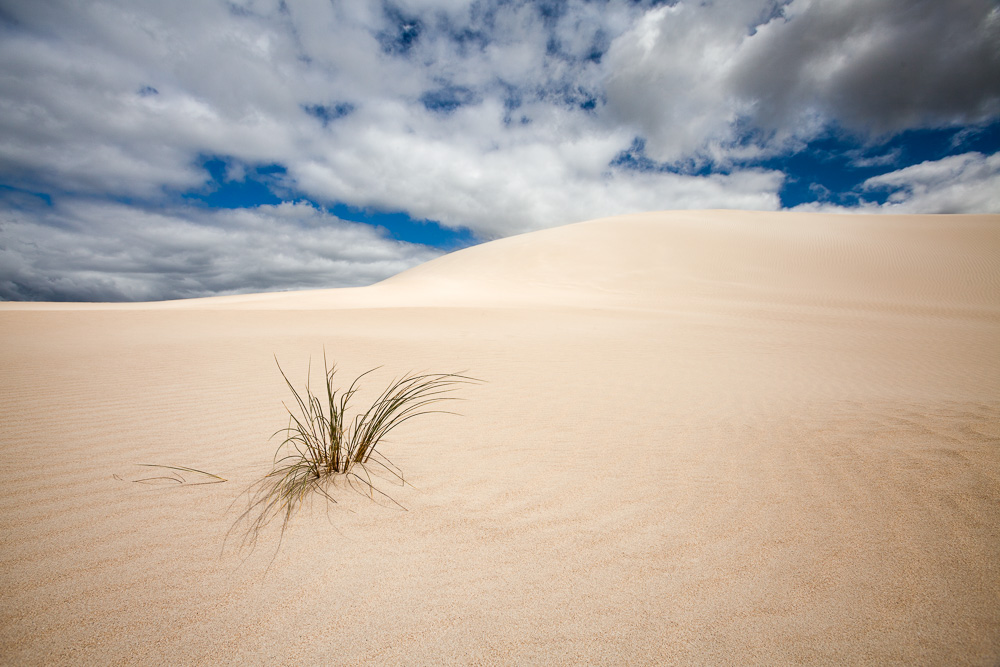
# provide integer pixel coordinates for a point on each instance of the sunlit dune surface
(709, 437)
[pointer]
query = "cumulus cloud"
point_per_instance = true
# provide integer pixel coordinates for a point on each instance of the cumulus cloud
(86, 251)
(498, 188)
(496, 116)
(728, 79)
(482, 116)
(876, 67)
(668, 76)
(967, 183)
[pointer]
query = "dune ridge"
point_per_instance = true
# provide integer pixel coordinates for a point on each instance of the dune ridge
(711, 437)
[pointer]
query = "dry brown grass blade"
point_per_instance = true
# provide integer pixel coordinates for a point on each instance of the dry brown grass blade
(176, 477)
(321, 444)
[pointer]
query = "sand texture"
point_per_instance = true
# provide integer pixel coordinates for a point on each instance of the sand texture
(703, 438)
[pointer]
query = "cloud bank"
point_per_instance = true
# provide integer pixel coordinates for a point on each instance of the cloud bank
(495, 117)
(87, 251)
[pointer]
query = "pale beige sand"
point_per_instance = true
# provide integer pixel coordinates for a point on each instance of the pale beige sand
(706, 438)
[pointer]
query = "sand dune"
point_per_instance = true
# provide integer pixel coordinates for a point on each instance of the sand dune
(704, 437)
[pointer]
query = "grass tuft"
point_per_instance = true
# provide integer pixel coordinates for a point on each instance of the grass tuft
(321, 445)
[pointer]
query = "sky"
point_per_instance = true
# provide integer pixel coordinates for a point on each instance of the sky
(157, 150)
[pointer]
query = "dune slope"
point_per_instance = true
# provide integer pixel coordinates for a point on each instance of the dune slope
(705, 437)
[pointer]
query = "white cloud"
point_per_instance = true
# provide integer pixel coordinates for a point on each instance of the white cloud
(668, 76)
(968, 183)
(134, 93)
(500, 117)
(90, 251)
(525, 185)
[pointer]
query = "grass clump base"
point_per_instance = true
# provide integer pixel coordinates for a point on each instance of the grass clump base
(322, 445)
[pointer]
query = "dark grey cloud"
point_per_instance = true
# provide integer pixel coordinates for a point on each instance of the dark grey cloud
(875, 66)
(694, 78)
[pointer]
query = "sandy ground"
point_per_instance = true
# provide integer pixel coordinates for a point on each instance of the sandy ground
(704, 438)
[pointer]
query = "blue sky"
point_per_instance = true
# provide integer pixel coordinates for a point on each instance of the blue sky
(153, 150)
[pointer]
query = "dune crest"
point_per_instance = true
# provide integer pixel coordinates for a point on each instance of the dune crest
(708, 437)
(646, 258)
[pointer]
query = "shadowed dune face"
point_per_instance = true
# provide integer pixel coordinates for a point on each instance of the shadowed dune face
(706, 437)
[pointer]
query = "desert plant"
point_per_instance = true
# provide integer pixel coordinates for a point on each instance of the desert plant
(321, 444)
